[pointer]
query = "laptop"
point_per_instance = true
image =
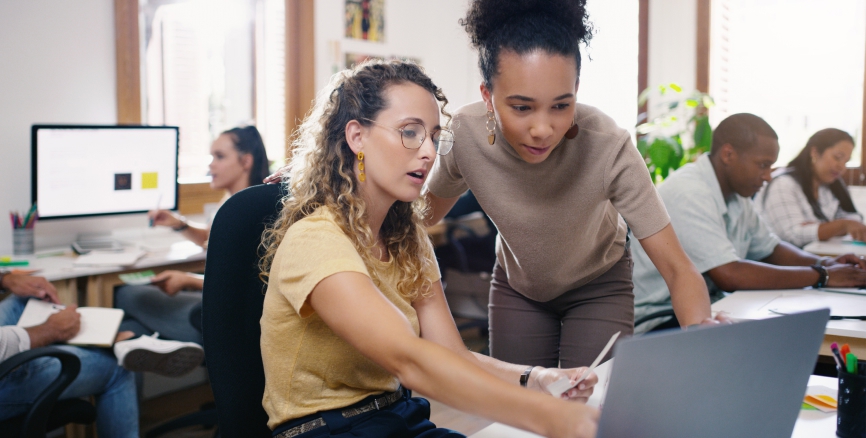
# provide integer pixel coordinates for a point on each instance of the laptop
(745, 379)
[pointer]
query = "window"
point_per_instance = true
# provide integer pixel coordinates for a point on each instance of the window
(799, 64)
(209, 66)
(609, 71)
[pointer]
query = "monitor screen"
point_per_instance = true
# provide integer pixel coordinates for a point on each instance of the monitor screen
(102, 170)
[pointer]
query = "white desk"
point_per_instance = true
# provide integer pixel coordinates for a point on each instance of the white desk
(164, 249)
(810, 424)
(750, 305)
(836, 246)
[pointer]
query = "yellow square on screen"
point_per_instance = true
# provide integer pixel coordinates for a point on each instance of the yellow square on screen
(149, 180)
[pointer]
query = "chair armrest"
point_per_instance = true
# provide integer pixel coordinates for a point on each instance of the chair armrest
(36, 419)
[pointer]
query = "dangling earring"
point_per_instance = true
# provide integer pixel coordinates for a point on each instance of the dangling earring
(491, 127)
(572, 132)
(361, 176)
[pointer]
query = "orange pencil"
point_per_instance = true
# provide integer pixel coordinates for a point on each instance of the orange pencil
(845, 350)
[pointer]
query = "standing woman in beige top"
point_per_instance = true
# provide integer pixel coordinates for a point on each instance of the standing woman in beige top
(555, 176)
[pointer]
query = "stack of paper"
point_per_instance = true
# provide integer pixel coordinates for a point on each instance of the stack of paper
(96, 258)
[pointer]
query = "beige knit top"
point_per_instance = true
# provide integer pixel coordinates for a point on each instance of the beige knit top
(559, 221)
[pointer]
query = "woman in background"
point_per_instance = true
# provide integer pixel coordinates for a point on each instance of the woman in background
(239, 161)
(354, 306)
(807, 201)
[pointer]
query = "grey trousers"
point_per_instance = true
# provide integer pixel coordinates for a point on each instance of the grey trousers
(568, 331)
(147, 309)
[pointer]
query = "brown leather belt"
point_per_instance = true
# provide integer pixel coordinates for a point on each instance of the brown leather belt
(378, 403)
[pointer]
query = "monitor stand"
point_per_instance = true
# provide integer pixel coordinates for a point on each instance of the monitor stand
(101, 241)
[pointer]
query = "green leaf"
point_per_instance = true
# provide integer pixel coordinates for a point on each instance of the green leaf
(703, 134)
(662, 90)
(676, 87)
(674, 104)
(643, 96)
(708, 101)
(691, 103)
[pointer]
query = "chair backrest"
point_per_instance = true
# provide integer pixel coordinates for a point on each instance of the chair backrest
(232, 307)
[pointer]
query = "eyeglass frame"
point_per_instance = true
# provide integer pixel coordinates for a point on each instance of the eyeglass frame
(402, 142)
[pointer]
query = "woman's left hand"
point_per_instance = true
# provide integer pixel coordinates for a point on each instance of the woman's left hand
(542, 377)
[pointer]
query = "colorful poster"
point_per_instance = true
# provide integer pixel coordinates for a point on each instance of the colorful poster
(365, 20)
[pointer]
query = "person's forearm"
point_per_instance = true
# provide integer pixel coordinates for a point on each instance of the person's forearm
(750, 275)
(197, 233)
(786, 254)
(508, 372)
(430, 370)
(689, 296)
(195, 282)
(830, 229)
(41, 335)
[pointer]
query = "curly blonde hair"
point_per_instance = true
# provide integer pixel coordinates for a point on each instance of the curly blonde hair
(321, 173)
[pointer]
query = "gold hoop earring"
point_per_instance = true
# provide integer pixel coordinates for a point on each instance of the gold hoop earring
(572, 132)
(361, 175)
(491, 127)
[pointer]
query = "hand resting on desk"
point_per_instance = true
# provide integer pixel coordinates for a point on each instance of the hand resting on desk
(172, 282)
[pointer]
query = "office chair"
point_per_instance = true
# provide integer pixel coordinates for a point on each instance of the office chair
(466, 262)
(47, 413)
(232, 307)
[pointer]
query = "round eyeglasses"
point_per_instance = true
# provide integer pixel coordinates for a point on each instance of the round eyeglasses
(413, 135)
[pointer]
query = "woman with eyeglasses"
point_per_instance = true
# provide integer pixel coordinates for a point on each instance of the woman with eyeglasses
(354, 306)
(807, 201)
(555, 176)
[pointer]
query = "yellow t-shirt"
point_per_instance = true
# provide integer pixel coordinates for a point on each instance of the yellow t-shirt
(308, 368)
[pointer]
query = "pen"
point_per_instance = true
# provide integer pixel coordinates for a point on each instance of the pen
(837, 356)
(840, 317)
(14, 263)
(158, 201)
(852, 363)
(844, 351)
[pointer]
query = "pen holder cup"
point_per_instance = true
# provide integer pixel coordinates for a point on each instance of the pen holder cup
(851, 412)
(22, 241)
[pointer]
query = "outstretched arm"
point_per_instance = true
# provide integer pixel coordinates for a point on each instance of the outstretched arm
(347, 302)
(689, 295)
(438, 326)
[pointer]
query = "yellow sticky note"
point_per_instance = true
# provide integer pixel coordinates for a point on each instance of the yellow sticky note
(149, 180)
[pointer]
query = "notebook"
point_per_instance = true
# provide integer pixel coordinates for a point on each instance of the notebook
(99, 325)
(745, 379)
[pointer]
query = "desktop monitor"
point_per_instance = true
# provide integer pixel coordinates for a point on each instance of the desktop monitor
(83, 170)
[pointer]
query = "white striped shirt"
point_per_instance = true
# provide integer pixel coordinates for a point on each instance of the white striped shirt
(789, 214)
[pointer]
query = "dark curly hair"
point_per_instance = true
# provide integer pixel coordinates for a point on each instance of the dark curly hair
(522, 26)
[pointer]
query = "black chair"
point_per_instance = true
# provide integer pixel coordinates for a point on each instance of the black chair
(232, 308)
(47, 413)
(466, 262)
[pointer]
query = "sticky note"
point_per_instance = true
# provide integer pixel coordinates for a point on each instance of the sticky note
(821, 398)
(149, 180)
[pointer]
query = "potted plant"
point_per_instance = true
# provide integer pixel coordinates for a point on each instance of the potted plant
(679, 131)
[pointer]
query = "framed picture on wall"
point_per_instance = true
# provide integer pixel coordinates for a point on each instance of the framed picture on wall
(365, 20)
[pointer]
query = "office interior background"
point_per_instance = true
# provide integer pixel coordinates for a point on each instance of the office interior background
(797, 63)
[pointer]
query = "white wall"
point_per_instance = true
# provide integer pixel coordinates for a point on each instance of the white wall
(422, 29)
(57, 67)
